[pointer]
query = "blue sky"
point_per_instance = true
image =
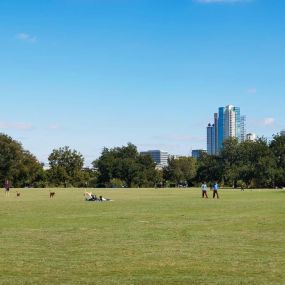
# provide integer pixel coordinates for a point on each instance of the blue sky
(95, 73)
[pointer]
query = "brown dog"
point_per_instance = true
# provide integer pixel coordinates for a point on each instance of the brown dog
(51, 194)
(18, 194)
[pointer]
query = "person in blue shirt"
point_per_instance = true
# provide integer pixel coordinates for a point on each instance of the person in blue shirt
(215, 190)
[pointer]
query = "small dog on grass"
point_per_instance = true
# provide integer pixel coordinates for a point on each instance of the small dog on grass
(18, 194)
(51, 194)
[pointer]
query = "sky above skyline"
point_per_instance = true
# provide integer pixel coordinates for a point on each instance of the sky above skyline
(95, 73)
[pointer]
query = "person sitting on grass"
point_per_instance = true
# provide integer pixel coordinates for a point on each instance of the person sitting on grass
(102, 199)
(89, 196)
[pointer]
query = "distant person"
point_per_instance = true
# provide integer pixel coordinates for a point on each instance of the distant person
(204, 190)
(215, 190)
(89, 196)
(7, 186)
(102, 199)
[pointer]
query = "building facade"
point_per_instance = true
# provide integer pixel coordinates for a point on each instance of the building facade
(211, 139)
(197, 153)
(243, 128)
(228, 123)
(251, 137)
(159, 157)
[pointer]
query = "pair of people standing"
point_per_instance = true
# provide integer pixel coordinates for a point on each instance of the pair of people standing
(215, 190)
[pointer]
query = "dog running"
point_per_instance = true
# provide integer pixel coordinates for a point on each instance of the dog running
(51, 194)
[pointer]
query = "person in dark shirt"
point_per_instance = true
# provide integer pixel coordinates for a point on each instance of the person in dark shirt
(7, 186)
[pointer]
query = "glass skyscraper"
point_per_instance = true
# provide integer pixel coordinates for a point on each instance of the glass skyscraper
(220, 128)
(211, 137)
(228, 122)
(159, 157)
(243, 128)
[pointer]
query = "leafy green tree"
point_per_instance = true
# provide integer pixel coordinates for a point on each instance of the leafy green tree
(117, 183)
(246, 163)
(249, 162)
(265, 164)
(210, 169)
(230, 157)
(181, 171)
(18, 165)
(89, 177)
(66, 167)
(277, 147)
(126, 164)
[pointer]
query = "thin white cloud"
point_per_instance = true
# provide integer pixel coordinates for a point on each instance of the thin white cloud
(54, 127)
(268, 121)
(15, 126)
(221, 1)
(26, 38)
(251, 90)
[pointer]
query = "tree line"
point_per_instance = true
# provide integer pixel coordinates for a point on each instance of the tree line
(251, 164)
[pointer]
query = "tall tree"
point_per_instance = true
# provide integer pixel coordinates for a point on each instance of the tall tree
(181, 171)
(277, 147)
(210, 168)
(18, 165)
(230, 158)
(127, 165)
(66, 167)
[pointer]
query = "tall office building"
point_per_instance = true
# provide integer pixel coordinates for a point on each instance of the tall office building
(197, 153)
(232, 122)
(211, 138)
(228, 123)
(220, 128)
(243, 128)
(158, 156)
(216, 124)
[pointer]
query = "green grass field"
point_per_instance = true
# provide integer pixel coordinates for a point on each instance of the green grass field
(142, 237)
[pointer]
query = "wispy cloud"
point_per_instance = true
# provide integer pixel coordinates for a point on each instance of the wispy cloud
(251, 90)
(221, 1)
(15, 126)
(268, 121)
(54, 127)
(26, 38)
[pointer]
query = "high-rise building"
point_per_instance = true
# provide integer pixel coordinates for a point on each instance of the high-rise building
(251, 137)
(243, 128)
(216, 124)
(211, 138)
(232, 122)
(228, 123)
(158, 156)
(197, 153)
(220, 128)
(282, 133)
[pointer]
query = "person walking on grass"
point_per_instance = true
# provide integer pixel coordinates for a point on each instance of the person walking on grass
(215, 190)
(204, 190)
(7, 186)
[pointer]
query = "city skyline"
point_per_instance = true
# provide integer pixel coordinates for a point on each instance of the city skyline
(94, 73)
(228, 123)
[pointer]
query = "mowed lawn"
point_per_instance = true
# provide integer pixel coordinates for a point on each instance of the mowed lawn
(143, 237)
